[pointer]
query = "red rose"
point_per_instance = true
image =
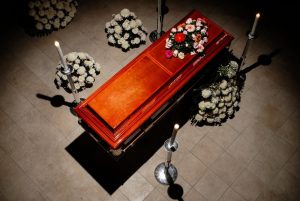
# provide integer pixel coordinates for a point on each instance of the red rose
(179, 37)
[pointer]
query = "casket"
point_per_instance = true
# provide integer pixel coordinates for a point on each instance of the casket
(118, 109)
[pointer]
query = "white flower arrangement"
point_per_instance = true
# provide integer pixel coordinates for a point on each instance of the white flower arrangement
(84, 71)
(219, 100)
(125, 30)
(50, 15)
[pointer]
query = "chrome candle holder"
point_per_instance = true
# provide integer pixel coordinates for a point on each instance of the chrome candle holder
(166, 173)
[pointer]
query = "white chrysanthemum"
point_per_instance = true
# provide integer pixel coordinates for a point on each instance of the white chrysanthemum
(53, 2)
(132, 14)
(75, 66)
(215, 100)
(117, 36)
(234, 64)
(135, 30)
(97, 67)
(47, 26)
(227, 98)
(31, 12)
(230, 111)
(125, 45)
(126, 36)
(201, 112)
(107, 25)
(59, 5)
(74, 78)
(137, 40)
(198, 117)
(118, 29)
(216, 111)
(223, 84)
(88, 63)
(81, 70)
(113, 22)
(64, 77)
(118, 17)
(92, 71)
(217, 120)
(222, 116)
(202, 105)
(39, 26)
(143, 37)
(46, 4)
(132, 24)
(60, 14)
(77, 61)
(63, 23)
(210, 120)
(125, 12)
(189, 21)
(71, 56)
(206, 93)
(221, 104)
(138, 22)
(180, 55)
(110, 31)
(90, 79)
(111, 39)
(168, 43)
(81, 79)
(77, 86)
(225, 91)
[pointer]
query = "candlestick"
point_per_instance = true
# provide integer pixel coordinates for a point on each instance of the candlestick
(254, 24)
(159, 19)
(176, 127)
(62, 59)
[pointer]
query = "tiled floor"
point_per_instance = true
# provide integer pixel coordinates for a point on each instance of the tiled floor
(254, 156)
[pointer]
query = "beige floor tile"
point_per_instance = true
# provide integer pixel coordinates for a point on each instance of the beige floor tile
(223, 135)
(293, 164)
(227, 168)
(248, 185)
(211, 186)
(290, 132)
(155, 195)
(15, 184)
(194, 195)
(241, 120)
(136, 187)
(117, 196)
(248, 144)
(191, 169)
(231, 195)
(207, 150)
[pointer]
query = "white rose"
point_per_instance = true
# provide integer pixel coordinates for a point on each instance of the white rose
(132, 14)
(48, 26)
(60, 14)
(75, 66)
(77, 86)
(223, 84)
(118, 17)
(90, 79)
(92, 71)
(81, 70)
(202, 105)
(39, 26)
(118, 29)
(126, 36)
(81, 55)
(111, 39)
(88, 63)
(138, 22)
(125, 45)
(71, 56)
(132, 24)
(117, 36)
(137, 40)
(81, 79)
(206, 93)
(125, 12)
(97, 67)
(175, 53)
(180, 55)
(198, 117)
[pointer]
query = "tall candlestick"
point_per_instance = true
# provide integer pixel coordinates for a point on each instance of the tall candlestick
(254, 24)
(63, 61)
(159, 19)
(176, 127)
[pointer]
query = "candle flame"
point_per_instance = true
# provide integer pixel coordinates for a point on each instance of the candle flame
(56, 43)
(257, 15)
(176, 126)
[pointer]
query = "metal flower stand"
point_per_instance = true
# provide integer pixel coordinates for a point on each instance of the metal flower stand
(156, 34)
(166, 173)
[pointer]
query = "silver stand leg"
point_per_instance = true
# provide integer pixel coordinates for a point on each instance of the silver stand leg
(244, 54)
(156, 34)
(68, 72)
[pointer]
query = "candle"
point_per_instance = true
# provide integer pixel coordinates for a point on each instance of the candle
(254, 24)
(63, 61)
(176, 127)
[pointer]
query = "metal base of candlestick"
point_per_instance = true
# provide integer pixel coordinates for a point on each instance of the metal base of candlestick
(171, 147)
(154, 35)
(165, 174)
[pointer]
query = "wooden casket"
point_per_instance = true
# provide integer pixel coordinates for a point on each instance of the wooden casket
(116, 111)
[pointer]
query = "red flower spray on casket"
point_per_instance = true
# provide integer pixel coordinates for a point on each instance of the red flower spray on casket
(187, 38)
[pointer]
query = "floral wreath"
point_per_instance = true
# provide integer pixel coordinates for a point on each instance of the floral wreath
(189, 37)
(125, 30)
(49, 15)
(84, 71)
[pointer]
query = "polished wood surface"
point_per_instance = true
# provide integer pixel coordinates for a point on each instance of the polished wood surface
(121, 105)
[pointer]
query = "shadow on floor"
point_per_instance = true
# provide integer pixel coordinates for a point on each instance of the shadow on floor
(111, 173)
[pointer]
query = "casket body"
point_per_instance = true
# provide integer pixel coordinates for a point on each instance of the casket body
(116, 110)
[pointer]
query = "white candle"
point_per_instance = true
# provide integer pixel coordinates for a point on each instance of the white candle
(176, 127)
(254, 24)
(63, 61)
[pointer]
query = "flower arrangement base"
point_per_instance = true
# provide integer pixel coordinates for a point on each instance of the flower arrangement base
(154, 35)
